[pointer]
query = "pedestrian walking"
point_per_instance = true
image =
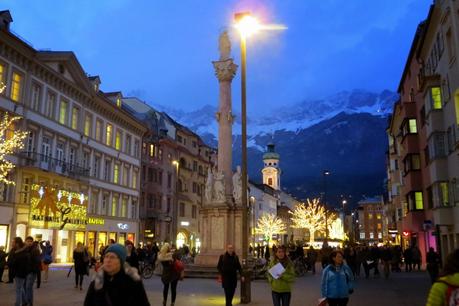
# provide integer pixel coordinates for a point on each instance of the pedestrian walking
(2, 262)
(33, 268)
(47, 258)
(228, 266)
(170, 276)
(116, 283)
(132, 258)
(20, 262)
(416, 257)
(267, 254)
(433, 264)
(337, 281)
(81, 264)
(281, 285)
(408, 257)
(36, 245)
(312, 259)
(445, 290)
(351, 260)
(9, 262)
(386, 257)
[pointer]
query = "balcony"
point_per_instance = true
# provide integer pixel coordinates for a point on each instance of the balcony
(49, 164)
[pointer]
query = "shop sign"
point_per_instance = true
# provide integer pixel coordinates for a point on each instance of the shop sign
(96, 221)
(123, 226)
(57, 208)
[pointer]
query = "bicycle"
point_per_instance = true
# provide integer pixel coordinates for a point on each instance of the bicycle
(146, 269)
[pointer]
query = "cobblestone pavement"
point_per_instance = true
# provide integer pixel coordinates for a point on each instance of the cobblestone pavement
(401, 289)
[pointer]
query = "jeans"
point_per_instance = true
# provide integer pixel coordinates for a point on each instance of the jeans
(173, 290)
(78, 280)
(229, 294)
(281, 298)
(30, 279)
(20, 293)
(337, 302)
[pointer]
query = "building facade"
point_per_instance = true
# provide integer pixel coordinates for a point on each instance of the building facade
(372, 228)
(77, 177)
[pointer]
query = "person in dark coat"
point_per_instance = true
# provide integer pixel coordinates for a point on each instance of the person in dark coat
(408, 256)
(116, 283)
(47, 257)
(2, 262)
(132, 258)
(33, 268)
(312, 258)
(20, 263)
(9, 263)
(267, 254)
(170, 276)
(433, 264)
(81, 262)
(228, 266)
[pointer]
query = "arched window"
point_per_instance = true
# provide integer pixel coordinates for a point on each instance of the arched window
(270, 181)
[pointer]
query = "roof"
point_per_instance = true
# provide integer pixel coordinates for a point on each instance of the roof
(371, 201)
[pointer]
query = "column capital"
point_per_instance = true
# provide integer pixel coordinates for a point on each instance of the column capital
(225, 70)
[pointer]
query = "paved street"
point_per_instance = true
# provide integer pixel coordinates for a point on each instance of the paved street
(402, 289)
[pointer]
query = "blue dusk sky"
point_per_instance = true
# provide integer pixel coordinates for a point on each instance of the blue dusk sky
(161, 51)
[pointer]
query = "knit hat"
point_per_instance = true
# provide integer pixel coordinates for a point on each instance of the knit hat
(119, 250)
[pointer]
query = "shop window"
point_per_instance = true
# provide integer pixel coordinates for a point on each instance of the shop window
(3, 235)
(112, 236)
(131, 237)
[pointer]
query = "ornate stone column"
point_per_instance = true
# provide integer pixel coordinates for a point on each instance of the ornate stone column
(225, 71)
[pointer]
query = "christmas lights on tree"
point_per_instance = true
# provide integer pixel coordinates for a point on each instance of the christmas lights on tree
(310, 217)
(268, 225)
(10, 141)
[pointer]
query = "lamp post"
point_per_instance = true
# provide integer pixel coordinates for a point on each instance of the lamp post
(325, 174)
(174, 222)
(247, 25)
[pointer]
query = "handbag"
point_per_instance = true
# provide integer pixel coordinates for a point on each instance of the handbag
(179, 266)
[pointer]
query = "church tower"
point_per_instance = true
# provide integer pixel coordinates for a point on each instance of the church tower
(271, 171)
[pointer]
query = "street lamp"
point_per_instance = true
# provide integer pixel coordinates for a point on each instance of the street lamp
(247, 25)
(325, 174)
(174, 222)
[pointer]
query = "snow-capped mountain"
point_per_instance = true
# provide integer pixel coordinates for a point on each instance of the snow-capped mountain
(292, 118)
(343, 133)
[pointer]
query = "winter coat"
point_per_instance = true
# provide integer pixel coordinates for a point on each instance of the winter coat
(167, 261)
(79, 262)
(123, 289)
(337, 283)
(285, 281)
(133, 260)
(437, 294)
(2, 259)
(21, 262)
(228, 265)
(35, 259)
(416, 254)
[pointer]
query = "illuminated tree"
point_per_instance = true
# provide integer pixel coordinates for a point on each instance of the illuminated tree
(310, 217)
(336, 229)
(10, 141)
(269, 224)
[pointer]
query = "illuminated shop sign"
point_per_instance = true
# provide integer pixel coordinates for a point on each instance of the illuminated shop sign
(123, 226)
(96, 221)
(57, 208)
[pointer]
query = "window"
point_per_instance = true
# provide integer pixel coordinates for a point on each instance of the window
(63, 112)
(16, 87)
(116, 174)
(50, 105)
(378, 216)
(435, 98)
(152, 150)
(95, 172)
(127, 146)
(270, 181)
(437, 145)
(118, 102)
(179, 138)
(193, 212)
(114, 206)
(107, 170)
(104, 204)
(124, 208)
(118, 140)
(379, 235)
(109, 135)
(182, 210)
(412, 128)
(150, 174)
(195, 165)
(412, 162)
(87, 125)
(415, 201)
(362, 235)
(372, 235)
(30, 143)
(98, 130)
(195, 187)
(370, 216)
(135, 173)
(36, 97)
(169, 180)
(75, 115)
(125, 175)
(94, 200)
(2, 75)
(444, 194)
(134, 209)
(136, 148)
(160, 154)
(160, 178)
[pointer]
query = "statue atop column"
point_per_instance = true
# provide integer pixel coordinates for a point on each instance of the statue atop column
(219, 187)
(224, 46)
